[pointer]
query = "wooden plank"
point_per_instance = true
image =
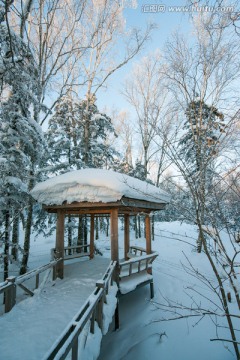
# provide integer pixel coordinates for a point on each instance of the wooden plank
(148, 234)
(92, 237)
(126, 236)
(114, 234)
(60, 243)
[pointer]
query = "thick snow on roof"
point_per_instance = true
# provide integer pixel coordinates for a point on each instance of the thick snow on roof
(95, 185)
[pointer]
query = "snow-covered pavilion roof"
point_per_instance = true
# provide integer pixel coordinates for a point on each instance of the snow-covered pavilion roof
(96, 185)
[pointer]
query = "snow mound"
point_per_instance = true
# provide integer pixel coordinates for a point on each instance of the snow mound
(95, 185)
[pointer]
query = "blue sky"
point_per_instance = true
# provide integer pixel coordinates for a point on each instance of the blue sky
(167, 22)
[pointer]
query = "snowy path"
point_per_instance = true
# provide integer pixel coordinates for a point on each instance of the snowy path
(29, 330)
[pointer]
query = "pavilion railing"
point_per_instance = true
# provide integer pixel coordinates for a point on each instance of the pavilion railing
(140, 266)
(137, 264)
(71, 252)
(92, 310)
(136, 251)
(9, 287)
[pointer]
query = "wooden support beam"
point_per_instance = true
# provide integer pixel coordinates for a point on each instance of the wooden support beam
(92, 237)
(60, 243)
(114, 234)
(126, 236)
(148, 234)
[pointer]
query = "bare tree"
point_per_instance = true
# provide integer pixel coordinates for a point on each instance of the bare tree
(124, 129)
(201, 78)
(144, 91)
(111, 48)
(223, 13)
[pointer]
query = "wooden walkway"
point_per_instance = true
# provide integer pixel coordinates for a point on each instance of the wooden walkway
(33, 325)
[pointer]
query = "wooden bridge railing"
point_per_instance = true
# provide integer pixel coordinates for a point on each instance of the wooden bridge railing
(91, 310)
(9, 287)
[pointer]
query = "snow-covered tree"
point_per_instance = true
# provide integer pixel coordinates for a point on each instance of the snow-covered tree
(67, 135)
(202, 131)
(78, 137)
(21, 139)
(64, 136)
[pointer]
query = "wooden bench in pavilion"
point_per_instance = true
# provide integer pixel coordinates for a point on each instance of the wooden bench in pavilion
(94, 192)
(136, 271)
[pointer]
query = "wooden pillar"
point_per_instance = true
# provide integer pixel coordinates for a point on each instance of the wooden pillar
(126, 235)
(60, 243)
(114, 234)
(92, 237)
(148, 234)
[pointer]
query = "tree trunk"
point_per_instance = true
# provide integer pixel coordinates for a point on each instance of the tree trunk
(101, 224)
(96, 227)
(153, 228)
(69, 233)
(135, 226)
(107, 227)
(200, 239)
(85, 232)
(27, 237)
(15, 237)
(80, 232)
(139, 227)
(6, 243)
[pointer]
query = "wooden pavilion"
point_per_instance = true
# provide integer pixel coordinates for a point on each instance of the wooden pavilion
(95, 192)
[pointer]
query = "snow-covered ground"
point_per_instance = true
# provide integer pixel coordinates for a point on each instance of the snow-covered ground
(143, 333)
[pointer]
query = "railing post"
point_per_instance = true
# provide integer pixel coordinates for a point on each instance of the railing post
(148, 234)
(116, 315)
(37, 281)
(10, 294)
(92, 325)
(101, 285)
(75, 350)
(54, 273)
(151, 289)
(100, 313)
